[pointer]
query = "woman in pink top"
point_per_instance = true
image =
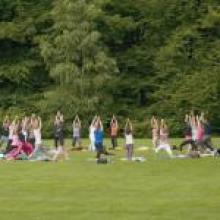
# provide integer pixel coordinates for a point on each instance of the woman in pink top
(16, 143)
(200, 132)
(19, 147)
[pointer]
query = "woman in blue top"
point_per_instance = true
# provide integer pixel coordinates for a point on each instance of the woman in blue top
(99, 136)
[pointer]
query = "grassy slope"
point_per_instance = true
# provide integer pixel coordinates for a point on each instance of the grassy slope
(79, 189)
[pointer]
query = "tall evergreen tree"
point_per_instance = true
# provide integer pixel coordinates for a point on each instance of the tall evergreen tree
(74, 53)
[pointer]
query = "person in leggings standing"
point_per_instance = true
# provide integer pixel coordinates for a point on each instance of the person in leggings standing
(99, 136)
(59, 137)
(92, 129)
(58, 132)
(5, 131)
(114, 131)
(76, 132)
(155, 131)
(37, 126)
(129, 140)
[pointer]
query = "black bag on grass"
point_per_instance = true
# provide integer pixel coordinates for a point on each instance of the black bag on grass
(102, 161)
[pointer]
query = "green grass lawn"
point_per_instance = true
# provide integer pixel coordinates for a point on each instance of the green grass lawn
(160, 188)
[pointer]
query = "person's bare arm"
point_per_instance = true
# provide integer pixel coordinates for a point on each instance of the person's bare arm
(186, 118)
(152, 121)
(128, 124)
(116, 123)
(79, 121)
(112, 119)
(40, 122)
(202, 116)
(99, 122)
(131, 126)
(61, 118)
(77, 118)
(197, 120)
(80, 124)
(192, 113)
(94, 120)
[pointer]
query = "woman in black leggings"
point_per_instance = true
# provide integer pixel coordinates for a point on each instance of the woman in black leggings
(59, 131)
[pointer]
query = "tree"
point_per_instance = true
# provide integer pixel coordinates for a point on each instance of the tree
(74, 54)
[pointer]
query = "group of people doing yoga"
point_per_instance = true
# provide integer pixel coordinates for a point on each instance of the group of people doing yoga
(22, 137)
(197, 132)
(96, 135)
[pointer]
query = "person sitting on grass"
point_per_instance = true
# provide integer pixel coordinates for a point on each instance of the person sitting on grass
(114, 132)
(164, 139)
(129, 145)
(76, 132)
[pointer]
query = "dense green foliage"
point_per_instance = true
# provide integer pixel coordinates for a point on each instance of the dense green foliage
(130, 58)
